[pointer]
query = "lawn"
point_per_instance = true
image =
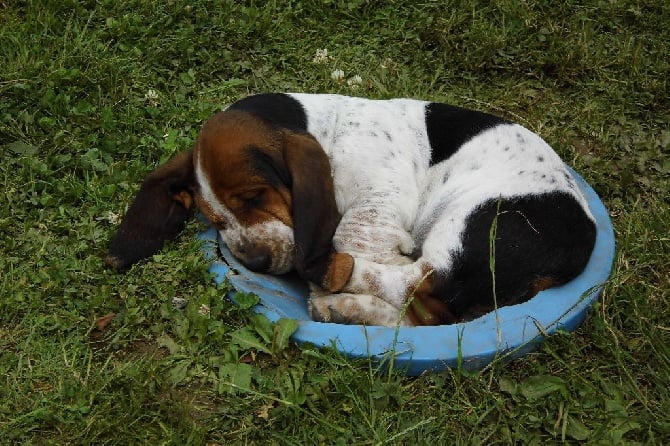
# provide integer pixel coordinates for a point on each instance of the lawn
(94, 94)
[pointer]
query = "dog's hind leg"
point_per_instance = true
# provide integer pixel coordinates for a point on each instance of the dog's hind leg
(409, 288)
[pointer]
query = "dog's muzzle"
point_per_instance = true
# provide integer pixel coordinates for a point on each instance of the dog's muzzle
(256, 259)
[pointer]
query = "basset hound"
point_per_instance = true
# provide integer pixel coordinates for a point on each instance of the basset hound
(396, 211)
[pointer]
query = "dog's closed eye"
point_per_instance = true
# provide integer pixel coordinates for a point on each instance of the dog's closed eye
(251, 199)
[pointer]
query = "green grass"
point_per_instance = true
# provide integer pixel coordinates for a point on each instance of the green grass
(79, 128)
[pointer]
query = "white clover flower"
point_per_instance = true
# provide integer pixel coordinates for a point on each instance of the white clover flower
(204, 310)
(113, 217)
(337, 75)
(354, 81)
(321, 56)
(151, 96)
(386, 63)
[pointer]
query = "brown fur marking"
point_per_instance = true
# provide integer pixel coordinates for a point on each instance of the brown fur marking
(339, 271)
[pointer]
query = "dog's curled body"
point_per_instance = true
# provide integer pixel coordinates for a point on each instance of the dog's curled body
(419, 208)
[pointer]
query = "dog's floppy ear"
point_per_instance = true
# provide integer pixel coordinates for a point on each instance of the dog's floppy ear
(314, 212)
(158, 213)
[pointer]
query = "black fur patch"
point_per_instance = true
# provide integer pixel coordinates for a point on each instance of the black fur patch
(538, 237)
(277, 108)
(449, 127)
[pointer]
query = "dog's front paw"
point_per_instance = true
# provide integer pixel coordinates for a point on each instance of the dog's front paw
(363, 309)
(322, 311)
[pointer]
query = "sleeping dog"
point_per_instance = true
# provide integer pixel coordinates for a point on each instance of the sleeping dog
(396, 211)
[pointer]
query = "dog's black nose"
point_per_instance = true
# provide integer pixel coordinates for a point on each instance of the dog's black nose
(258, 262)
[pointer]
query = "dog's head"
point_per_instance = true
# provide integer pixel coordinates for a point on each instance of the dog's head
(268, 191)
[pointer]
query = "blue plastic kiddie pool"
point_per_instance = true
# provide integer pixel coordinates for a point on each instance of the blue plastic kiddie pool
(508, 333)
